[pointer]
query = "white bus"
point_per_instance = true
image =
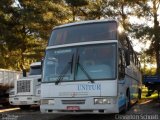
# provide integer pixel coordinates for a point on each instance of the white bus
(89, 67)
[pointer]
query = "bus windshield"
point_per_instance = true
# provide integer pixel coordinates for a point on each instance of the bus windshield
(35, 70)
(89, 62)
(84, 33)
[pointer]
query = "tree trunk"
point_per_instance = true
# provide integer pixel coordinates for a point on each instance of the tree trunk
(73, 13)
(124, 17)
(156, 36)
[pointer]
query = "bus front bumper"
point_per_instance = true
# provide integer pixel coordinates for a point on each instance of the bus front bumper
(78, 106)
(24, 100)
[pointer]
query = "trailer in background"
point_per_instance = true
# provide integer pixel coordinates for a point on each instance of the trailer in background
(7, 78)
(152, 82)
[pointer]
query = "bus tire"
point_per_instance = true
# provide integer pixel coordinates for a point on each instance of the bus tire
(6, 104)
(127, 104)
(158, 94)
(139, 94)
(128, 100)
(24, 107)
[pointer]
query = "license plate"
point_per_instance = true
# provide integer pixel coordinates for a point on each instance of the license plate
(73, 108)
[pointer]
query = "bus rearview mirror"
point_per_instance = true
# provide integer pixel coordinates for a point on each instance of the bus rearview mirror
(127, 57)
(24, 73)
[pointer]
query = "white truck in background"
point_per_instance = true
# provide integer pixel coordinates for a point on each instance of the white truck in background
(7, 78)
(27, 89)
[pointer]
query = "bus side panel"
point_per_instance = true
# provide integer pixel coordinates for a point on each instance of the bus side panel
(79, 89)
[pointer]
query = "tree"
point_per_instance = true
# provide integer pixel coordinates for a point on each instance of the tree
(27, 27)
(6, 10)
(149, 10)
(37, 18)
(74, 6)
(97, 9)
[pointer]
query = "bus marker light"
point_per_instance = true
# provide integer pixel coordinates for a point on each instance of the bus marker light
(102, 101)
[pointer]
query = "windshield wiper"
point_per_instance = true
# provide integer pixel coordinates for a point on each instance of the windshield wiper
(84, 71)
(64, 71)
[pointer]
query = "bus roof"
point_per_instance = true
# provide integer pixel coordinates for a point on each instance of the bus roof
(85, 22)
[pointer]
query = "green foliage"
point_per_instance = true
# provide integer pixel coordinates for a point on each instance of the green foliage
(149, 33)
(75, 8)
(25, 27)
(97, 9)
(76, 3)
(25, 30)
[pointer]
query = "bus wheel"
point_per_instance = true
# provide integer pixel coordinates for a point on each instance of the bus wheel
(127, 104)
(6, 104)
(158, 95)
(128, 101)
(139, 94)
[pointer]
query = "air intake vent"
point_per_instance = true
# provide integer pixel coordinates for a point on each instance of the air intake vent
(23, 86)
(73, 101)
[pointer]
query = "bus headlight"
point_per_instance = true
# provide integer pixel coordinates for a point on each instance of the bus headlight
(102, 101)
(46, 101)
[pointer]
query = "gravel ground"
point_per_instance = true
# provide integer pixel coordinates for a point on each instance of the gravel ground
(144, 110)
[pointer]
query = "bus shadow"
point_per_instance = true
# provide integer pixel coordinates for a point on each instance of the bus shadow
(87, 117)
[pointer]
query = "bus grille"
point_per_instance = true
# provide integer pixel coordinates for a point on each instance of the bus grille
(23, 86)
(73, 101)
